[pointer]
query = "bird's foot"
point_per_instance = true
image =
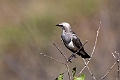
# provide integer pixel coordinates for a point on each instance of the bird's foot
(74, 55)
(70, 58)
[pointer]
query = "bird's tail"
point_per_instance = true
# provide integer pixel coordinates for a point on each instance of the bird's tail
(83, 54)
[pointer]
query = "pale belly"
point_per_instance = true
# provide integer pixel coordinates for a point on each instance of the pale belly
(72, 46)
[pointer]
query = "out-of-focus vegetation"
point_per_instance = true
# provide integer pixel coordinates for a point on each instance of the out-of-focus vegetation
(27, 27)
(81, 77)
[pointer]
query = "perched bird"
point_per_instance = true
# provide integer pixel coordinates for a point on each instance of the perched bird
(71, 41)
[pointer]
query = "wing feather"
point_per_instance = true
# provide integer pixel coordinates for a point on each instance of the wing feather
(76, 41)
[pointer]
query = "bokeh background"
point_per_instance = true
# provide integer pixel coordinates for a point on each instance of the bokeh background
(27, 28)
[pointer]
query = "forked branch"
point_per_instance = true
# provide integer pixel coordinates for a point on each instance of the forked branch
(93, 48)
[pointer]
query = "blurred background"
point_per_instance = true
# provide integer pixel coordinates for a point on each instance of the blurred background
(27, 28)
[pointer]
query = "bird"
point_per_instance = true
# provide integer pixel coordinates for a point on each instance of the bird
(72, 41)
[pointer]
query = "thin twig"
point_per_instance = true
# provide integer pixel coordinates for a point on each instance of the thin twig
(68, 71)
(96, 39)
(66, 64)
(118, 67)
(89, 69)
(108, 71)
(93, 48)
(60, 51)
(118, 60)
(65, 71)
(113, 55)
(52, 58)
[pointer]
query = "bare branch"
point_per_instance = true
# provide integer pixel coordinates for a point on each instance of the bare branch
(93, 48)
(96, 39)
(118, 60)
(108, 71)
(68, 71)
(52, 58)
(60, 51)
(66, 64)
(89, 69)
(113, 55)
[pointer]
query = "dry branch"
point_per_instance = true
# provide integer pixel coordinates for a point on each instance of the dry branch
(52, 58)
(93, 49)
(89, 69)
(118, 60)
(66, 64)
(108, 71)
(111, 68)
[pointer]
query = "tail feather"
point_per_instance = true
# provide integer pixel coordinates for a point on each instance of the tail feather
(83, 54)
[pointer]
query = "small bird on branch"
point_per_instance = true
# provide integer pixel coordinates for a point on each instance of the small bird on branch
(71, 41)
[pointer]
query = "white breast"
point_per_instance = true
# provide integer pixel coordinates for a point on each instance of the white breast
(71, 45)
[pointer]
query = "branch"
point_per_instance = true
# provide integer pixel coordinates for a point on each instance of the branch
(66, 64)
(60, 51)
(96, 40)
(108, 71)
(52, 58)
(116, 62)
(93, 48)
(89, 69)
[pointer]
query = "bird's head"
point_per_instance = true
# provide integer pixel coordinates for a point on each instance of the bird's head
(65, 26)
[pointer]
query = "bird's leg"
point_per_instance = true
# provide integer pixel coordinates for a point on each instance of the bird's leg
(70, 58)
(74, 55)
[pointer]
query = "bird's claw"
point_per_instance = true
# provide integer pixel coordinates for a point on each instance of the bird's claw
(74, 55)
(70, 58)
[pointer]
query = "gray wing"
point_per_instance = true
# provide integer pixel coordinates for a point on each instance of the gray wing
(78, 44)
(76, 40)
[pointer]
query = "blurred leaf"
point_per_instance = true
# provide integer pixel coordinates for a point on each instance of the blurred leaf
(60, 77)
(73, 71)
(81, 77)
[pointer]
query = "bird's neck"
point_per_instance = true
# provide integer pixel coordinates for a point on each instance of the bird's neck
(66, 30)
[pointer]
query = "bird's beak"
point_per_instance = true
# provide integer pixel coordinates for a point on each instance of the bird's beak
(58, 25)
